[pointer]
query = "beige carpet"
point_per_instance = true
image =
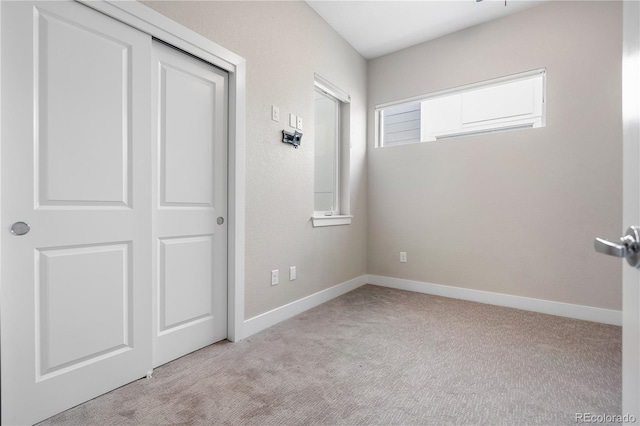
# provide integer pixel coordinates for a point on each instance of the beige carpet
(378, 356)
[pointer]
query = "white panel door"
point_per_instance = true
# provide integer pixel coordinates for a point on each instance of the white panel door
(190, 198)
(76, 160)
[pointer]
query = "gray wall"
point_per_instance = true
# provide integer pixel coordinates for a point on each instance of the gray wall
(284, 44)
(514, 212)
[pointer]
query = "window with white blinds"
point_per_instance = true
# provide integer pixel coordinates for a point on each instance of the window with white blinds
(401, 124)
(507, 103)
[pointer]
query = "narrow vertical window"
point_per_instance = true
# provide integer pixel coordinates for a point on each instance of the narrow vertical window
(331, 144)
(327, 154)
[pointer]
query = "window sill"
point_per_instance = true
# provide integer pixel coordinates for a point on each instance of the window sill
(319, 221)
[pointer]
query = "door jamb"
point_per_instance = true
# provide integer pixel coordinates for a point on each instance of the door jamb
(159, 26)
(630, 206)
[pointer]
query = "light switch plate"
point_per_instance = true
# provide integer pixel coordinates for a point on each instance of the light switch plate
(275, 113)
(293, 120)
(292, 273)
(299, 123)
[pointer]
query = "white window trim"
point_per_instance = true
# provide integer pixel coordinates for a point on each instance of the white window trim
(320, 219)
(340, 219)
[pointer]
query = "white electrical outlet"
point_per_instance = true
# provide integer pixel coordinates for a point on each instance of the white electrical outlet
(275, 113)
(293, 120)
(299, 123)
(403, 257)
(275, 277)
(292, 273)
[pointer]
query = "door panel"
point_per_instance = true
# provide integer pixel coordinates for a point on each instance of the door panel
(67, 54)
(187, 139)
(75, 291)
(190, 193)
(97, 275)
(185, 281)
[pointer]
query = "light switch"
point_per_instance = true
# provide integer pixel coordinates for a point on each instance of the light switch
(275, 113)
(299, 123)
(293, 120)
(292, 273)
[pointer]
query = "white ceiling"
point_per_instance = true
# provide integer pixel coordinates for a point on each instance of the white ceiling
(375, 28)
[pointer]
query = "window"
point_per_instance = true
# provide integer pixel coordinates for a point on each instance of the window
(508, 103)
(401, 124)
(327, 155)
(331, 155)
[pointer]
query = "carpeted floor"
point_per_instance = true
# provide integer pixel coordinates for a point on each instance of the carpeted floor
(378, 356)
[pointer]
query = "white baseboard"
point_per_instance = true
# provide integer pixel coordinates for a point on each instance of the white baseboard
(587, 313)
(266, 320)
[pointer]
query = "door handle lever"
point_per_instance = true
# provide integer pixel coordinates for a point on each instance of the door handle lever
(609, 247)
(627, 246)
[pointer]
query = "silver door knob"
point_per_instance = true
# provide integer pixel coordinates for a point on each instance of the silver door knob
(627, 246)
(220, 220)
(20, 228)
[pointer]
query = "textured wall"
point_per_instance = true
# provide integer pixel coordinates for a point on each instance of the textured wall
(513, 212)
(284, 44)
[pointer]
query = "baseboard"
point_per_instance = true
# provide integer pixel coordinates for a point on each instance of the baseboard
(266, 320)
(587, 313)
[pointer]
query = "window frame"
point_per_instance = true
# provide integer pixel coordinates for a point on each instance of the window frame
(342, 211)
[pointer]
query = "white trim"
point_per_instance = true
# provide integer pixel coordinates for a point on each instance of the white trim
(236, 202)
(159, 26)
(330, 89)
(587, 313)
(273, 317)
(527, 123)
(630, 204)
(320, 221)
(147, 20)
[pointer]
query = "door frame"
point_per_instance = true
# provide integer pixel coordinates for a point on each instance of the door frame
(149, 21)
(631, 206)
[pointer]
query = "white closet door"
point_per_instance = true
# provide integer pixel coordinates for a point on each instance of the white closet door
(76, 158)
(190, 203)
